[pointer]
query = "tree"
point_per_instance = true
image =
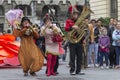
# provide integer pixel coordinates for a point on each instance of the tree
(105, 21)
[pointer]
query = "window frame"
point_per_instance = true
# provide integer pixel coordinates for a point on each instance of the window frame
(27, 11)
(2, 12)
(114, 8)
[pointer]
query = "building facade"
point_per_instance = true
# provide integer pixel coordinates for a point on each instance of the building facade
(105, 8)
(34, 9)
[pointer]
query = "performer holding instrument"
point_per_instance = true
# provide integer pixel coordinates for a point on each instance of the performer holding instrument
(30, 56)
(52, 39)
(77, 34)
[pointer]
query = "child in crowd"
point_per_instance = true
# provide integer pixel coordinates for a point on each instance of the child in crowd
(104, 43)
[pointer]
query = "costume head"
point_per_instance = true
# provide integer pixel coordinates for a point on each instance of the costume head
(25, 19)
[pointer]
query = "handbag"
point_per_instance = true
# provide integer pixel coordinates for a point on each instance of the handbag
(57, 38)
(104, 49)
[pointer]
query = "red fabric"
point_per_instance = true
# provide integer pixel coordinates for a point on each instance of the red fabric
(57, 38)
(53, 64)
(7, 37)
(12, 61)
(51, 61)
(9, 50)
(1, 61)
(69, 24)
(104, 49)
(71, 8)
(61, 50)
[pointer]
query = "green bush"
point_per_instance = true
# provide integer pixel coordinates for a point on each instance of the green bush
(105, 21)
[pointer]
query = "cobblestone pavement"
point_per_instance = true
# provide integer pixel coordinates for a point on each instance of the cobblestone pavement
(15, 73)
(61, 78)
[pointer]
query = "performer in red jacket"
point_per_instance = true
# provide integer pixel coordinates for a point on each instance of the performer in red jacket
(75, 48)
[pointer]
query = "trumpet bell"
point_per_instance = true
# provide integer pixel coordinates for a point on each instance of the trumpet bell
(28, 32)
(76, 35)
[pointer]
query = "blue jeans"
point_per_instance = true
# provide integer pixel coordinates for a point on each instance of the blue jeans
(117, 50)
(93, 48)
(102, 54)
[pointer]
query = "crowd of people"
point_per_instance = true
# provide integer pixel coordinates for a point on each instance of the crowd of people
(103, 49)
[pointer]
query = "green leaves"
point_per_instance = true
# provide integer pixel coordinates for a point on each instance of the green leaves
(105, 21)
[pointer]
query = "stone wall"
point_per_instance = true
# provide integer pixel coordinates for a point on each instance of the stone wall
(101, 8)
(119, 10)
(62, 12)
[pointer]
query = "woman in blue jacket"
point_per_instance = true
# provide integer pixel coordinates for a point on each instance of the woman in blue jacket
(116, 43)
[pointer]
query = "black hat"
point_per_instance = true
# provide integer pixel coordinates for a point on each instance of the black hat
(24, 19)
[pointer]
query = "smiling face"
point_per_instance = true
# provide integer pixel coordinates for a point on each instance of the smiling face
(99, 23)
(104, 31)
(118, 25)
(111, 21)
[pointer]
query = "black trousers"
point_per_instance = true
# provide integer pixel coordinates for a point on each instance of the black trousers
(75, 57)
(112, 56)
(57, 64)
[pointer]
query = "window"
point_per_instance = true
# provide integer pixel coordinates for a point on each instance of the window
(51, 9)
(26, 9)
(114, 8)
(1, 27)
(1, 11)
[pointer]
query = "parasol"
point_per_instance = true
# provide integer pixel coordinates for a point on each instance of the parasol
(14, 16)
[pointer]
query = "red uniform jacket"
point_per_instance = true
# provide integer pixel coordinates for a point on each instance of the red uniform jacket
(69, 24)
(68, 27)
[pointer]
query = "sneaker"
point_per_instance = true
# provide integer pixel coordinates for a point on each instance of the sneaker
(72, 73)
(117, 67)
(80, 73)
(107, 67)
(96, 65)
(101, 67)
(89, 66)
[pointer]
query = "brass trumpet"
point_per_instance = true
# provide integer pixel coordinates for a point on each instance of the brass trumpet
(75, 36)
(30, 30)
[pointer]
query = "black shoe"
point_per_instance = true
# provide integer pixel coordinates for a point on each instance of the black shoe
(111, 67)
(80, 73)
(33, 74)
(57, 72)
(25, 74)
